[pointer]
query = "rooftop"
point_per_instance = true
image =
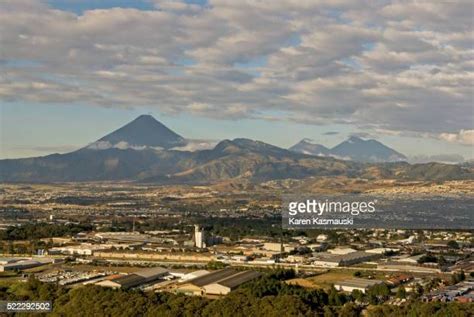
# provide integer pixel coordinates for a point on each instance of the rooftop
(212, 277)
(359, 282)
(151, 272)
(239, 278)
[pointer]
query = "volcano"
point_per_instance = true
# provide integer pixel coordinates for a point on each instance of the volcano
(142, 133)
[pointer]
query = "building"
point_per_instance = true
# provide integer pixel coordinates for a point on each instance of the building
(382, 250)
(135, 279)
(331, 260)
(124, 281)
(216, 283)
(226, 285)
(399, 279)
(359, 284)
(6, 260)
(341, 251)
(81, 249)
(279, 247)
(408, 259)
(193, 275)
(12, 264)
(322, 238)
(199, 237)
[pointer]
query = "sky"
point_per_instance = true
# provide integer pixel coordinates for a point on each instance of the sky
(277, 71)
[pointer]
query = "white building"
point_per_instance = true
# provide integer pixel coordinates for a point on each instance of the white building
(335, 260)
(359, 284)
(81, 249)
(381, 250)
(199, 237)
(341, 251)
(322, 237)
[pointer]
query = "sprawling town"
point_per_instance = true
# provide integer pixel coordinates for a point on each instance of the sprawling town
(197, 241)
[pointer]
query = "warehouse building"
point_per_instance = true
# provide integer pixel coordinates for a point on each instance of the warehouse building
(193, 275)
(216, 283)
(135, 279)
(22, 264)
(330, 260)
(356, 284)
(226, 285)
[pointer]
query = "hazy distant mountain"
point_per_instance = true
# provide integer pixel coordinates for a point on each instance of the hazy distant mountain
(143, 132)
(358, 149)
(441, 158)
(151, 157)
(354, 148)
(305, 146)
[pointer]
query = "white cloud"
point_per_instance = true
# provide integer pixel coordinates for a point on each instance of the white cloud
(399, 67)
(463, 137)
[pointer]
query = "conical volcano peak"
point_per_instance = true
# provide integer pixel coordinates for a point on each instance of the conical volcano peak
(307, 146)
(143, 132)
(145, 118)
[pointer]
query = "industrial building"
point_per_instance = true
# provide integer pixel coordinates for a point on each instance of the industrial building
(226, 285)
(356, 284)
(82, 249)
(279, 247)
(331, 260)
(193, 275)
(219, 282)
(18, 264)
(135, 279)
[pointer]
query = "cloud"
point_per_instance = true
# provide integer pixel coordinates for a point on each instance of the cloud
(465, 137)
(442, 158)
(49, 149)
(399, 67)
(363, 135)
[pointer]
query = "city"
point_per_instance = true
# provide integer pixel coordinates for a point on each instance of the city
(195, 240)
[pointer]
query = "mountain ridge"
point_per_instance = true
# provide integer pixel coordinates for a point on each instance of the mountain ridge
(237, 159)
(354, 148)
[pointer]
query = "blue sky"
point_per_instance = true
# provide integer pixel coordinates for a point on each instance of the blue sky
(277, 72)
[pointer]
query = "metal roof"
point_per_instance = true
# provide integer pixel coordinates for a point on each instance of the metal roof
(130, 280)
(359, 282)
(212, 277)
(151, 272)
(239, 278)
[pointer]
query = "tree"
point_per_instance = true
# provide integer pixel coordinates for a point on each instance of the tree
(452, 244)
(357, 295)
(335, 298)
(349, 310)
(418, 290)
(378, 293)
(401, 292)
(427, 258)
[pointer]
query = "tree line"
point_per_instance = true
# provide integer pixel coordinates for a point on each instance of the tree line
(266, 296)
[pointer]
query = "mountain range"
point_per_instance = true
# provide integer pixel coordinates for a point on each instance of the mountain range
(147, 151)
(355, 149)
